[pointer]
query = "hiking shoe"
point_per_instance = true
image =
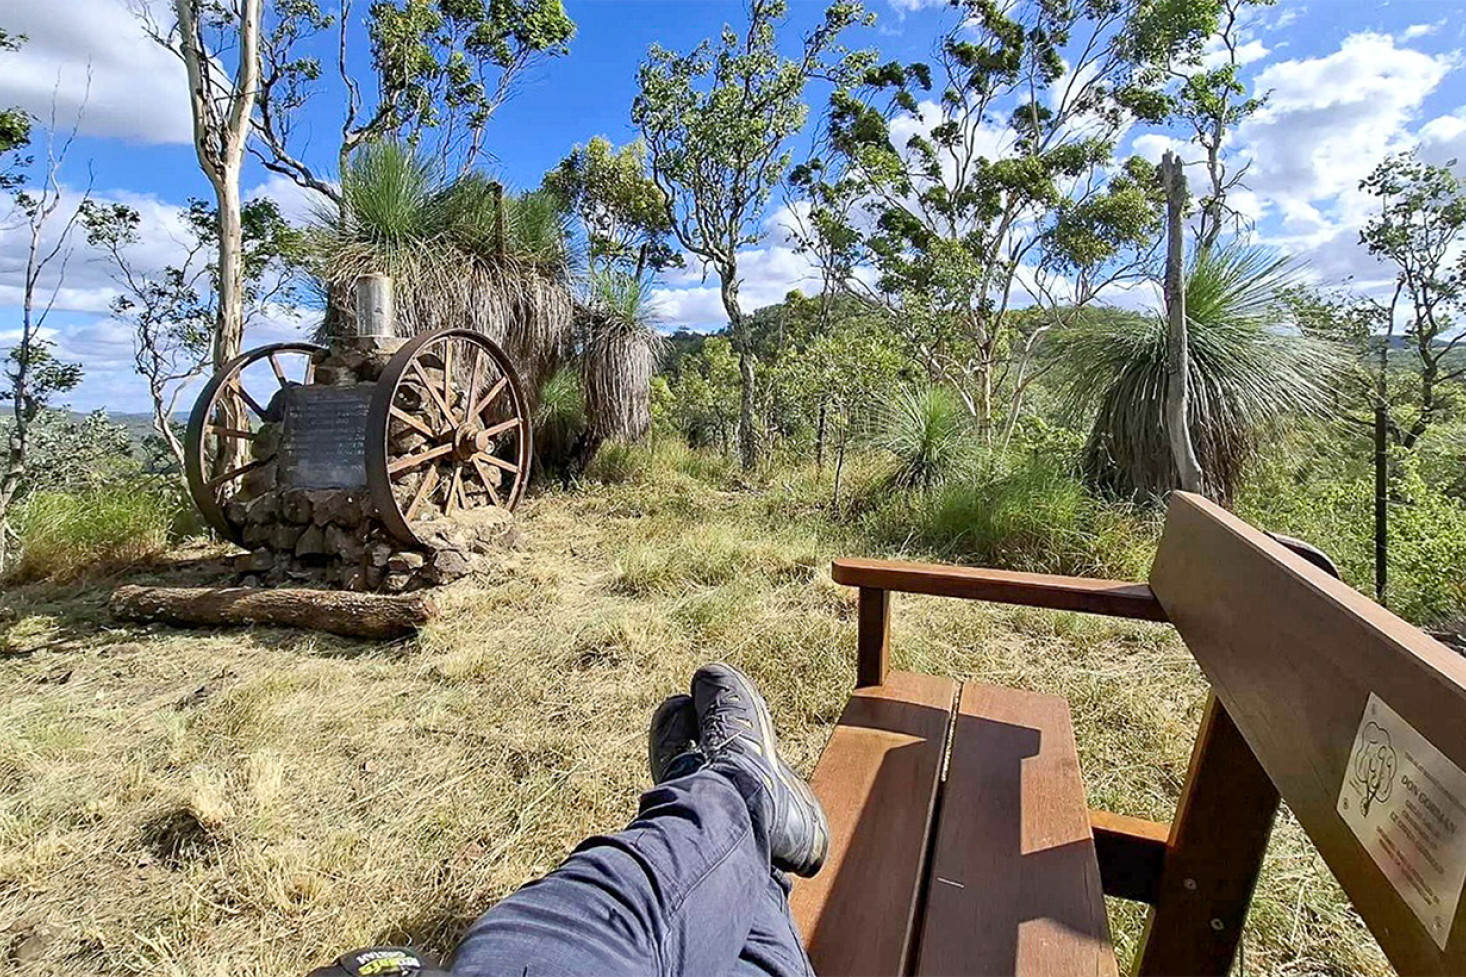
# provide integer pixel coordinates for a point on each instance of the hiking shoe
(671, 740)
(734, 722)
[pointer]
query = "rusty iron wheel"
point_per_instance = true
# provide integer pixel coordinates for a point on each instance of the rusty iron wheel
(220, 444)
(448, 430)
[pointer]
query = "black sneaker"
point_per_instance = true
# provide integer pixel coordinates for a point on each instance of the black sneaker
(734, 721)
(671, 741)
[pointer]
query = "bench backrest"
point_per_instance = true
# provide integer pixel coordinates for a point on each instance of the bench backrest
(1357, 717)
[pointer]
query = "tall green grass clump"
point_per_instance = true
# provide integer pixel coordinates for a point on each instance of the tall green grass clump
(1027, 513)
(928, 431)
(95, 531)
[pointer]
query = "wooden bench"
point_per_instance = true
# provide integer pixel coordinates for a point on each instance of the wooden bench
(962, 842)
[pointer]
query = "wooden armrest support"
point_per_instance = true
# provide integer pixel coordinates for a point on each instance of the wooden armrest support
(1131, 854)
(1110, 597)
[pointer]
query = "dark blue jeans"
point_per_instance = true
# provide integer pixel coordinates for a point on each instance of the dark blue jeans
(685, 889)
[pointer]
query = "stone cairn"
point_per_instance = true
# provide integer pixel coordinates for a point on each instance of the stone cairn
(333, 536)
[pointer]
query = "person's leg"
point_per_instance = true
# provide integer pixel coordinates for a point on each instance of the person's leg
(677, 892)
(773, 947)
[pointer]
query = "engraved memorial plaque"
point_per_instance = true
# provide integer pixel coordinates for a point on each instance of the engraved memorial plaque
(323, 444)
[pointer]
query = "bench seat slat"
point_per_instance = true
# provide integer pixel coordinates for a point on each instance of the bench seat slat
(878, 780)
(1014, 883)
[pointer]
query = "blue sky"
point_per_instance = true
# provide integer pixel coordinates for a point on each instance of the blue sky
(1349, 81)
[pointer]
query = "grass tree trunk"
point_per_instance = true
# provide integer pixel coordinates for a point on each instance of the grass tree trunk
(1178, 394)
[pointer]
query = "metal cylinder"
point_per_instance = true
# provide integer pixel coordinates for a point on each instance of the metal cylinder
(374, 312)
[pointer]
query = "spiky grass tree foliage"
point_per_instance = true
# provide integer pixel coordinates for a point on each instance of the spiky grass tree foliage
(559, 422)
(1247, 373)
(927, 429)
(619, 352)
(454, 261)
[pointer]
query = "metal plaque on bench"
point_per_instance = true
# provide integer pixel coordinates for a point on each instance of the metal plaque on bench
(323, 443)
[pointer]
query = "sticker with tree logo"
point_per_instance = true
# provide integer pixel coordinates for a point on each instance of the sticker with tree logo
(1406, 803)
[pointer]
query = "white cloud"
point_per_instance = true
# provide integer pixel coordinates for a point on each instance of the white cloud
(1215, 54)
(138, 91)
(297, 204)
(907, 6)
(767, 275)
(1328, 121)
(1421, 30)
(1443, 139)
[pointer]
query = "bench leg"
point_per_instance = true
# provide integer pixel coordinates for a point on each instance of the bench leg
(1213, 856)
(873, 640)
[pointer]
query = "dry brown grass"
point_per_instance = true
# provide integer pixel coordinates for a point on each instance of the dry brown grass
(251, 802)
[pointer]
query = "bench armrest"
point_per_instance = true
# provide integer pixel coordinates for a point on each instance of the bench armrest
(878, 578)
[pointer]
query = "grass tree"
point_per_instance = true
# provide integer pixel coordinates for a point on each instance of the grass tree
(618, 356)
(717, 123)
(1245, 373)
(462, 253)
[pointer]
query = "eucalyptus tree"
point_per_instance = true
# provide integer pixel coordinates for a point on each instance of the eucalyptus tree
(218, 42)
(1420, 229)
(1200, 47)
(443, 68)
(718, 122)
(618, 205)
(957, 189)
(171, 310)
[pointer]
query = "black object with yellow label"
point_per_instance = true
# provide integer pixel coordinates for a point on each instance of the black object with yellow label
(382, 961)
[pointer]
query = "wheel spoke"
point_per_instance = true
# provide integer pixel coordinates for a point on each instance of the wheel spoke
(448, 382)
(429, 482)
(433, 392)
(231, 432)
(499, 428)
(473, 378)
(508, 466)
(489, 397)
(484, 474)
(232, 474)
(412, 422)
(243, 394)
(412, 461)
(453, 491)
(279, 371)
(310, 369)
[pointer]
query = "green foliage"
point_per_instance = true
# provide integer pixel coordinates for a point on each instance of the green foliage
(941, 203)
(559, 420)
(1246, 374)
(927, 429)
(704, 395)
(94, 531)
(621, 211)
(15, 126)
(1318, 485)
(69, 454)
(443, 68)
(717, 122)
(1019, 513)
(1419, 229)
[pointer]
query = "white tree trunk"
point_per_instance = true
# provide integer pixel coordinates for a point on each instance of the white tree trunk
(222, 108)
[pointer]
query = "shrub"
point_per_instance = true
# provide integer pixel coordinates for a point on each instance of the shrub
(1027, 514)
(99, 530)
(926, 428)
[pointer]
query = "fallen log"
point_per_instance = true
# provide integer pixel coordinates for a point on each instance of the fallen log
(354, 615)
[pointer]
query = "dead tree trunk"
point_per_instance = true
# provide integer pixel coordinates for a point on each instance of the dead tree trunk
(350, 614)
(1178, 357)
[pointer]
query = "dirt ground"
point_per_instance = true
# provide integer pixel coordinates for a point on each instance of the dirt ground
(253, 801)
